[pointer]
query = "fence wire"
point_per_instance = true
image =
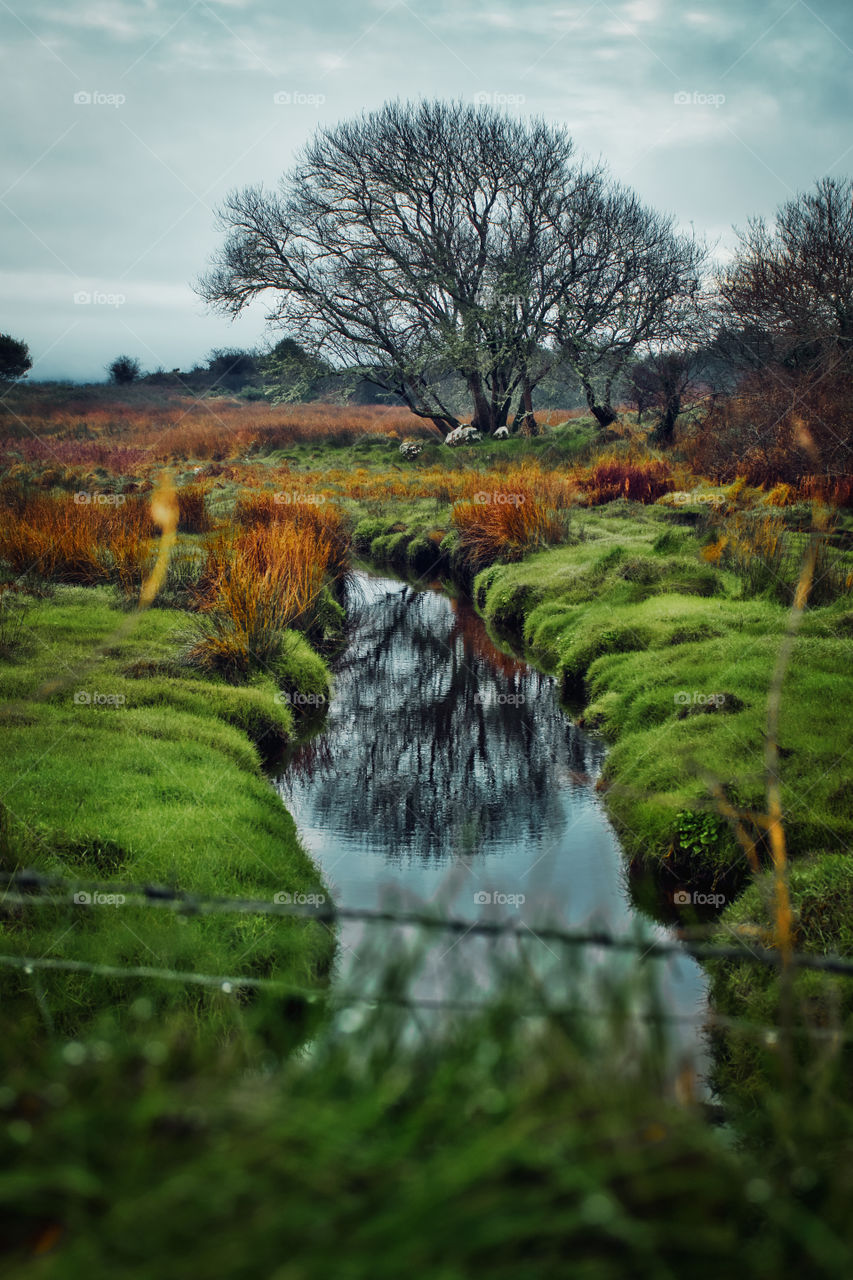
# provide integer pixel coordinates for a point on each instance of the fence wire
(31, 888)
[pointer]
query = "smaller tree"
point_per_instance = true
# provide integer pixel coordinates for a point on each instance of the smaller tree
(641, 387)
(124, 370)
(231, 368)
(663, 381)
(791, 282)
(292, 374)
(14, 359)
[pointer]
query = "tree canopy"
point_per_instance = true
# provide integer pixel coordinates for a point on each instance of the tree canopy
(124, 370)
(15, 359)
(435, 236)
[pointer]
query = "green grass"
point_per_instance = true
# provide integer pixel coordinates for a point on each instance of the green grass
(499, 1145)
(821, 889)
(162, 783)
(561, 446)
(674, 666)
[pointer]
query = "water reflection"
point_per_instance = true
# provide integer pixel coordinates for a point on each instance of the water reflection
(436, 743)
(446, 770)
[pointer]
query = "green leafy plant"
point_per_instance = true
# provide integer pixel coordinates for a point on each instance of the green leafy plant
(697, 831)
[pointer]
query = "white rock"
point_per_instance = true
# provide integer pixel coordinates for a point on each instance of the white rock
(462, 435)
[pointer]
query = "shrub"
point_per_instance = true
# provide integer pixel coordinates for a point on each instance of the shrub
(761, 551)
(639, 480)
(781, 495)
(124, 370)
(775, 429)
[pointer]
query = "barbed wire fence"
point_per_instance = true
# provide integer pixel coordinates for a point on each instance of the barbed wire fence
(25, 889)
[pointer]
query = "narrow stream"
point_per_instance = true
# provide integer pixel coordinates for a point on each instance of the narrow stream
(447, 773)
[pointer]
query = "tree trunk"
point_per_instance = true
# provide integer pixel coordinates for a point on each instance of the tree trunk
(602, 413)
(529, 425)
(483, 418)
(664, 432)
(445, 425)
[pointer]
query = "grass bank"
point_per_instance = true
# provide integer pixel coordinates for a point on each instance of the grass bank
(123, 764)
(672, 659)
(673, 664)
(817, 1005)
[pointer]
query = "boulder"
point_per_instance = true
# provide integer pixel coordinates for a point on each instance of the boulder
(410, 448)
(462, 435)
(502, 433)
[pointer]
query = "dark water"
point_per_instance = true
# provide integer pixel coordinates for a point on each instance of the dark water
(446, 771)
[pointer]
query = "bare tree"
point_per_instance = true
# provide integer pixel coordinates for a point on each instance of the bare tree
(412, 240)
(791, 284)
(429, 237)
(641, 386)
(787, 298)
(663, 381)
(635, 280)
(672, 371)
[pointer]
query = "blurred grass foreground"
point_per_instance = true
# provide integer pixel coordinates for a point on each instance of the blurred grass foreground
(539, 1135)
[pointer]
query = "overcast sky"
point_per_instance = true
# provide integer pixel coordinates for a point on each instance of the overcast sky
(127, 121)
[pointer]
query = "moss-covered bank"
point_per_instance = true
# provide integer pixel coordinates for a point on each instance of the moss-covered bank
(674, 665)
(121, 764)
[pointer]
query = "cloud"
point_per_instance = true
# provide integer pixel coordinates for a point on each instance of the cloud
(118, 19)
(643, 10)
(108, 195)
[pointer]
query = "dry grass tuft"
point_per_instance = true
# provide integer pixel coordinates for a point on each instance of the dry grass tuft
(80, 538)
(194, 516)
(505, 522)
(256, 585)
(634, 478)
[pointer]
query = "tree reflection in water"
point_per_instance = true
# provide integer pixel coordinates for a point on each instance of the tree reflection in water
(447, 772)
(437, 745)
